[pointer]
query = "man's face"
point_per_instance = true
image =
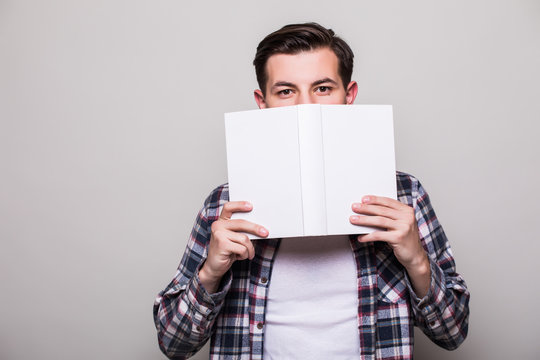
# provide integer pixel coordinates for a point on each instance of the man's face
(309, 77)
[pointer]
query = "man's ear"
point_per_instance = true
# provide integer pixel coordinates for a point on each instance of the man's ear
(259, 99)
(352, 91)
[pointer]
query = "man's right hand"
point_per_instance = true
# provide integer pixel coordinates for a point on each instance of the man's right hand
(228, 244)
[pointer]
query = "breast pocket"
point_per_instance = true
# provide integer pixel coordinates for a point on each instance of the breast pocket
(390, 277)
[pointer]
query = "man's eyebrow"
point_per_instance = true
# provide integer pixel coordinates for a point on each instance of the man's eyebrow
(283, 83)
(323, 81)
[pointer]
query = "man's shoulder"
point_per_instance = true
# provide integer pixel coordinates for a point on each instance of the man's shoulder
(406, 181)
(408, 187)
(216, 199)
(219, 194)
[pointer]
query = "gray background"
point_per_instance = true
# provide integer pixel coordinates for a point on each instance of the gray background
(111, 136)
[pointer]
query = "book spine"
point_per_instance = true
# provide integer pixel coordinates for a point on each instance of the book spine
(312, 169)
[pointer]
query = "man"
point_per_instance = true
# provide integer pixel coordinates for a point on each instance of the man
(323, 297)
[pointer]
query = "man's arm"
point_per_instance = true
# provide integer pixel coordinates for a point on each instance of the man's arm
(185, 312)
(439, 296)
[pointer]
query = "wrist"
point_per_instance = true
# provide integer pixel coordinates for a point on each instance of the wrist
(419, 266)
(209, 281)
(420, 275)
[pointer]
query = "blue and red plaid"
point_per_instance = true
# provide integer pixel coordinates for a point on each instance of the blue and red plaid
(186, 316)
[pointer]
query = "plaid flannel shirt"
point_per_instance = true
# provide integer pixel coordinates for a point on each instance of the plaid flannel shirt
(186, 315)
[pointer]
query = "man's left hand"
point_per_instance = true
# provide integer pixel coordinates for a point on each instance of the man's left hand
(401, 235)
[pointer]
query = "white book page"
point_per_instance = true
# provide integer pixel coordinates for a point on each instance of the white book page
(264, 168)
(312, 169)
(359, 160)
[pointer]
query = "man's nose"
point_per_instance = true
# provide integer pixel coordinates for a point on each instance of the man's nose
(304, 98)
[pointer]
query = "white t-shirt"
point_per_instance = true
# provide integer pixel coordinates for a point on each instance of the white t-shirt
(312, 304)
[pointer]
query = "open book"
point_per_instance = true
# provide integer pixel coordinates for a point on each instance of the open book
(303, 166)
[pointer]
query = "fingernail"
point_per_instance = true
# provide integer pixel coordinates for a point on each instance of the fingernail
(247, 205)
(263, 231)
(366, 199)
(354, 218)
(356, 206)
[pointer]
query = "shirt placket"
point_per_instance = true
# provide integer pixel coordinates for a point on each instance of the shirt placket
(366, 265)
(260, 272)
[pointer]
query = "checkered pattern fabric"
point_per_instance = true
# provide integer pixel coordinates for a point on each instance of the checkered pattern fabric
(186, 316)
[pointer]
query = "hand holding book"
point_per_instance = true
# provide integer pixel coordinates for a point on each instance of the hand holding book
(399, 229)
(228, 243)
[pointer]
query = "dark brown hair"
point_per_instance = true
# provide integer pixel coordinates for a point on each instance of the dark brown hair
(295, 38)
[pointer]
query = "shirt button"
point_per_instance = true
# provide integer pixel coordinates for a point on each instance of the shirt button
(264, 280)
(260, 326)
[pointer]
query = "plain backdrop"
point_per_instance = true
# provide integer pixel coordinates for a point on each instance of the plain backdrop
(111, 136)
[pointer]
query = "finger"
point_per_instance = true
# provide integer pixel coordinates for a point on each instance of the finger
(376, 236)
(364, 238)
(238, 250)
(384, 201)
(246, 226)
(243, 240)
(234, 206)
(379, 210)
(376, 221)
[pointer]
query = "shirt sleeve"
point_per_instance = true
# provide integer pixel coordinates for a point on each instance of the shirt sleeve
(443, 314)
(184, 312)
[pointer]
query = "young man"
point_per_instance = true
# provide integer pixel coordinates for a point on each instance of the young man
(336, 297)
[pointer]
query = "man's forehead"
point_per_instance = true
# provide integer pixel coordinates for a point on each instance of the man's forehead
(306, 66)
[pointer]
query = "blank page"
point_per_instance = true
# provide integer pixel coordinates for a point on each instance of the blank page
(358, 142)
(264, 168)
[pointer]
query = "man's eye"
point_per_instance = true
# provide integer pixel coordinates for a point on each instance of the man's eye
(285, 92)
(323, 89)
